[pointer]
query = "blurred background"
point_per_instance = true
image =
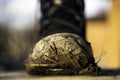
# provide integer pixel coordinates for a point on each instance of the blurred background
(19, 31)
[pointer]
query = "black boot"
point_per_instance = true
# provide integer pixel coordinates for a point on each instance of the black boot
(60, 16)
(62, 48)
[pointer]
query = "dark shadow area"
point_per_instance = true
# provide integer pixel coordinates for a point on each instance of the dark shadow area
(104, 72)
(110, 72)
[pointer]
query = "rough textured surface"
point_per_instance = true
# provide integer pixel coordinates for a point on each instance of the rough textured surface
(62, 53)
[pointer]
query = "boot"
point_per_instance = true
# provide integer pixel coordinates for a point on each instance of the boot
(62, 49)
(62, 16)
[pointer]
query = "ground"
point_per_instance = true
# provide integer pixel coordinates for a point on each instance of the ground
(22, 75)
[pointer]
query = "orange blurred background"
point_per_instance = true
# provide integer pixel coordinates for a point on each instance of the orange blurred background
(104, 35)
